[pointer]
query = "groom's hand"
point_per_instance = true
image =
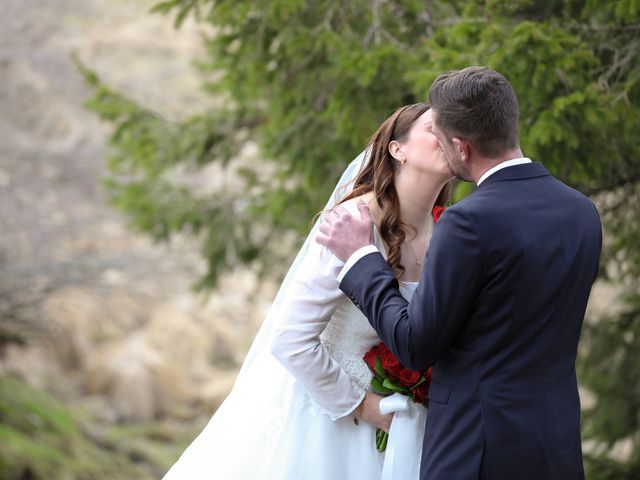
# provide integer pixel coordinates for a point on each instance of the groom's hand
(343, 234)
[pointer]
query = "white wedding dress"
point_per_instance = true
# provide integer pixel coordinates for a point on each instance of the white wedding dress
(289, 416)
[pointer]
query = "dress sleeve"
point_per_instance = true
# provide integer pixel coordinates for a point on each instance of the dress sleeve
(312, 299)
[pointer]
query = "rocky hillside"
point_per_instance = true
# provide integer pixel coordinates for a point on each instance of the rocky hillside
(113, 328)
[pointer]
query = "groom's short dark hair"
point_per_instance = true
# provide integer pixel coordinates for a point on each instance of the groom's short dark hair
(479, 105)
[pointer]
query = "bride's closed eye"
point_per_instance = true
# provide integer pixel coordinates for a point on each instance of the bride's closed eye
(429, 127)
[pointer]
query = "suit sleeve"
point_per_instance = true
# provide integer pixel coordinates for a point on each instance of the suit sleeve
(419, 331)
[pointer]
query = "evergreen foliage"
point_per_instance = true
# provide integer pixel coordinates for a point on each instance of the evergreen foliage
(308, 82)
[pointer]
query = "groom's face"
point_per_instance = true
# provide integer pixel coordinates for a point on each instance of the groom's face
(451, 153)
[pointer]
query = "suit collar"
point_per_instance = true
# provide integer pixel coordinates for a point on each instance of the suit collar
(516, 172)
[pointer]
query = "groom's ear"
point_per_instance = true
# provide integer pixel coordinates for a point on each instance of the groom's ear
(462, 147)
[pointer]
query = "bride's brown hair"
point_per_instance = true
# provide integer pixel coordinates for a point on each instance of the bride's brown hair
(378, 174)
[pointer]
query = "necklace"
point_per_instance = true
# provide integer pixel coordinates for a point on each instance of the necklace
(418, 259)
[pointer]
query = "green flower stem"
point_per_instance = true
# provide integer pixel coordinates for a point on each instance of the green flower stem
(381, 440)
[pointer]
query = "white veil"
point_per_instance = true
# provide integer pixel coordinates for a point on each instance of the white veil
(253, 414)
(261, 343)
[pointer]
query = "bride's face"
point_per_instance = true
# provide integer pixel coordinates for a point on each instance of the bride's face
(422, 150)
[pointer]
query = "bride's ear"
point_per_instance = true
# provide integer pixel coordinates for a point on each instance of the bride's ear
(395, 149)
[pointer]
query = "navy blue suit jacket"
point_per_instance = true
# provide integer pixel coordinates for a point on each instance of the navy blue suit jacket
(498, 314)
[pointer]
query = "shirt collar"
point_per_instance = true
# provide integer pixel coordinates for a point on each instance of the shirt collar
(500, 166)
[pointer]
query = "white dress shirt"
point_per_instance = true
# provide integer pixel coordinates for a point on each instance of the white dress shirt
(500, 166)
(358, 254)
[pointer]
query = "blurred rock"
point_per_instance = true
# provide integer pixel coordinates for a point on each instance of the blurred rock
(163, 365)
(134, 378)
(111, 320)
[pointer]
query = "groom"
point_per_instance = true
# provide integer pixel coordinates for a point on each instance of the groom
(501, 300)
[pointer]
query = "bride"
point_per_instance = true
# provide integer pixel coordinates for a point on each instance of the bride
(301, 407)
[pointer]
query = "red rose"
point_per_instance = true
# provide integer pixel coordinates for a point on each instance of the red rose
(420, 394)
(394, 372)
(409, 377)
(370, 358)
(375, 352)
(389, 361)
(437, 211)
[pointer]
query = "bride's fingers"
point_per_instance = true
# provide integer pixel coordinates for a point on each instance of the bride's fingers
(387, 422)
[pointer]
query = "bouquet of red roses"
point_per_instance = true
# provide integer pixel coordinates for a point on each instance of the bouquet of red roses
(390, 376)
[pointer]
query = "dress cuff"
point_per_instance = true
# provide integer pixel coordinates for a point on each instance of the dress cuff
(359, 400)
(357, 255)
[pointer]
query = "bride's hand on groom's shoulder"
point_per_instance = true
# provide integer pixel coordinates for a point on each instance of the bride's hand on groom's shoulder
(344, 234)
(369, 411)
